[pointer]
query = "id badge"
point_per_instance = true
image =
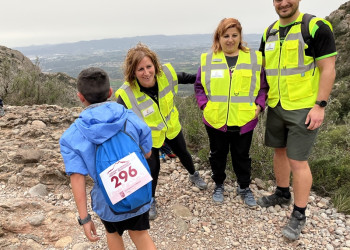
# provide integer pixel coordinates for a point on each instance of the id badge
(146, 112)
(219, 73)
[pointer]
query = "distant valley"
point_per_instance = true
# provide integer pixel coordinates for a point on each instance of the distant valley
(182, 51)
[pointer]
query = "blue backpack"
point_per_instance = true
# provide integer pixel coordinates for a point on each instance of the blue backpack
(109, 152)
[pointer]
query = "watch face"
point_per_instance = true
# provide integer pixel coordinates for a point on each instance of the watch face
(321, 103)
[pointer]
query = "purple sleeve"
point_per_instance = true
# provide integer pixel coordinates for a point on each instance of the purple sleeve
(264, 88)
(201, 97)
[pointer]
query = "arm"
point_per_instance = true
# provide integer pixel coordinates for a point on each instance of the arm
(260, 100)
(327, 77)
(121, 101)
(201, 97)
(325, 51)
(184, 78)
(79, 192)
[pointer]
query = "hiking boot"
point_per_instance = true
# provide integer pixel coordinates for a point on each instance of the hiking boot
(247, 195)
(296, 223)
(274, 199)
(218, 195)
(197, 180)
(153, 210)
(2, 111)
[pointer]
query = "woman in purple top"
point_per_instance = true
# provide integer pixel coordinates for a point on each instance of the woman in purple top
(231, 89)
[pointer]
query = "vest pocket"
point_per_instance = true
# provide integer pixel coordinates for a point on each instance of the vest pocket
(169, 101)
(157, 138)
(246, 113)
(246, 78)
(299, 86)
(292, 53)
(211, 113)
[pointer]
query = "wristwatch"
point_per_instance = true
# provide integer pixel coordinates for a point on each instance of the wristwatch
(322, 103)
(85, 220)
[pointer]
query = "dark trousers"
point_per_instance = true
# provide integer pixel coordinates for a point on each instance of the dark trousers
(178, 146)
(239, 145)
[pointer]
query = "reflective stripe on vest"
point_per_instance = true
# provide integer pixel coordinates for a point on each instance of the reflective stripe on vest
(301, 60)
(162, 123)
(292, 76)
(230, 98)
(236, 99)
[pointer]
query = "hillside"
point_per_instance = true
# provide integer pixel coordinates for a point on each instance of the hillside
(341, 92)
(37, 209)
(23, 83)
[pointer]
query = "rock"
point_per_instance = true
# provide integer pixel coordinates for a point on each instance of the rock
(260, 184)
(63, 242)
(31, 244)
(36, 220)
(182, 211)
(38, 190)
(81, 246)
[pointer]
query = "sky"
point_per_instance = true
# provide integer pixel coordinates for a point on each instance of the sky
(39, 22)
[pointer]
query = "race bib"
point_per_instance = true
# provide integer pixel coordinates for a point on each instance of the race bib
(124, 177)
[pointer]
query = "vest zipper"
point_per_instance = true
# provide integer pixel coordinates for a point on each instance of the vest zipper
(279, 70)
(228, 98)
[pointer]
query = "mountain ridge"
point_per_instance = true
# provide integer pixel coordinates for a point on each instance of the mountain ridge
(125, 43)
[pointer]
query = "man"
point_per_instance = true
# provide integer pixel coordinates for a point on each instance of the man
(300, 77)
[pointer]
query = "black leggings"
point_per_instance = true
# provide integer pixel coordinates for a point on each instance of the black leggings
(178, 146)
(239, 145)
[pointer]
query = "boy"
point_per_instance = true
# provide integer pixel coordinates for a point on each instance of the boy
(99, 121)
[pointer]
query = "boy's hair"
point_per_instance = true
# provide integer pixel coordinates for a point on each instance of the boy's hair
(93, 84)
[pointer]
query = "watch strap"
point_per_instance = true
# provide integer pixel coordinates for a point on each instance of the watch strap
(85, 220)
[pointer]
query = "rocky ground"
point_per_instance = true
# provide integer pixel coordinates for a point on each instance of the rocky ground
(37, 209)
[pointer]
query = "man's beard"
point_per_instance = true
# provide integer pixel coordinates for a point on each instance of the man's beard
(286, 16)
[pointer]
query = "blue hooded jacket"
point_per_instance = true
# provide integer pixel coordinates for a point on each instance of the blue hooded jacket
(96, 124)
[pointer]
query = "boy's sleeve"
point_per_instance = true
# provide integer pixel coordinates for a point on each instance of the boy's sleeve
(143, 130)
(72, 160)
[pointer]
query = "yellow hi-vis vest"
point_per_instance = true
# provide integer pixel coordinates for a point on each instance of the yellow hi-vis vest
(231, 101)
(163, 119)
(293, 77)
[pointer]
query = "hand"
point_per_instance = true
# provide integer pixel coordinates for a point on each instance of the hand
(90, 231)
(257, 111)
(148, 155)
(315, 117)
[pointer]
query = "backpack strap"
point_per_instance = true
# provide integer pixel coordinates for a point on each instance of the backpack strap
(305, 32)
(268, 31)
(132, 138)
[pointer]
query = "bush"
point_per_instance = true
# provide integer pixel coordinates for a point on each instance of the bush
(32, 87)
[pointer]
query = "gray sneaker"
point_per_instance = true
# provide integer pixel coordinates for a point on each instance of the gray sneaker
(218, 195)
(197, 180)
(274, 199)
(153, 210)
(247, 195)
(2, 111)
(296, 223)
